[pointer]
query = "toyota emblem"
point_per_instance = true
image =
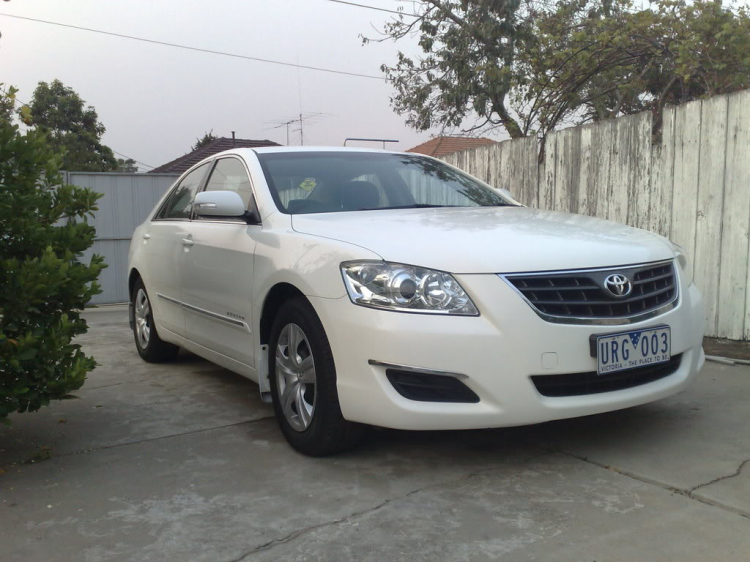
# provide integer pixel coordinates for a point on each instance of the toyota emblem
(618, 285)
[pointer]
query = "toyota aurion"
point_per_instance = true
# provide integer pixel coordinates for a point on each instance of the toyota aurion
(368, 288)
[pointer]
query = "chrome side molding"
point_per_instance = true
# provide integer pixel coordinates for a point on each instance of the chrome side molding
(208, 313)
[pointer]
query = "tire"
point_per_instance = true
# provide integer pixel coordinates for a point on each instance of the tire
(150, 346)
(303, 384)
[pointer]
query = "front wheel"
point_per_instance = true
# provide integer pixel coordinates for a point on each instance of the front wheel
(303, 384)
(150, 346)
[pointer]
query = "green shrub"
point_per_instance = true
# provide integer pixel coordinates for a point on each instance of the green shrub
(43, 282)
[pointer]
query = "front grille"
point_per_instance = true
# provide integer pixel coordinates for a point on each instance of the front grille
(579, 384)
(425, 387)
(581, 294)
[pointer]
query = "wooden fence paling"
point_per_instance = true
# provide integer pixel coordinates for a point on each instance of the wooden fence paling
(710, 204)
(662, 177)
(639, 209)
(691, 185)
(733, 280)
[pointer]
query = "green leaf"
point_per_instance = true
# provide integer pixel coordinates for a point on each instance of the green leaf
(26, 354)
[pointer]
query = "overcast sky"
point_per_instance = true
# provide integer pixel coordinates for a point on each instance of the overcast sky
(155, 100)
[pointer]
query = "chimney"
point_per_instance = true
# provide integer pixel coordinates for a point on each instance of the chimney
(233, 139)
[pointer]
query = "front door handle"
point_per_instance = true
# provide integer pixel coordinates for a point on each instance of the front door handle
(187, 242)
(146, 236)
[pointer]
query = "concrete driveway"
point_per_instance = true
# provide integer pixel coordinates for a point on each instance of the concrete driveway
(182, 462)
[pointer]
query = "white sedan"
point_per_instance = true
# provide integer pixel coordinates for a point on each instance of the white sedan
(361, 287)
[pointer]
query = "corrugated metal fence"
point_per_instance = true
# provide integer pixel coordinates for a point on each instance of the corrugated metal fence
(693, 187)
(127, 200)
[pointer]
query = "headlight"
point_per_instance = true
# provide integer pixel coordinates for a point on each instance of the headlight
(686, 268)
(405, 288)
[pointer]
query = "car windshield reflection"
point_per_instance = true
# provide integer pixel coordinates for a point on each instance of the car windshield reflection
(327, 182)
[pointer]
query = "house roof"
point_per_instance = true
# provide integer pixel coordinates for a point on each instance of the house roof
(179, 165)
(441, 146)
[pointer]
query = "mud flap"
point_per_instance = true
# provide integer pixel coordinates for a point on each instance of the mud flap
(263, 383)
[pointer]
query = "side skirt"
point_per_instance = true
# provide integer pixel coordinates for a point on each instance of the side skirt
(217, 358)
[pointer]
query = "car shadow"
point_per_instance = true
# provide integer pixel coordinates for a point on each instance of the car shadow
(632, 428)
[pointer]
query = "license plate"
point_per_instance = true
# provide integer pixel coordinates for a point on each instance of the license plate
(628, 350)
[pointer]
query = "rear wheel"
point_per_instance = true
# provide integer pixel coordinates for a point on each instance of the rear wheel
(150, 346)
(303, 384)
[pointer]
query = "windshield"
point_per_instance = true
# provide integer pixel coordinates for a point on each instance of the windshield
(329, 182)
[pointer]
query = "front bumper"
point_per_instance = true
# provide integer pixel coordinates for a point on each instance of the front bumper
(498, 352)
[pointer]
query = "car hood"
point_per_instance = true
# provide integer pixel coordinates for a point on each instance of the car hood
(488, 239)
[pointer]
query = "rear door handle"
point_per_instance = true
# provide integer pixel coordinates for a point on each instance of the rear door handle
(187, 242)
(146, 236)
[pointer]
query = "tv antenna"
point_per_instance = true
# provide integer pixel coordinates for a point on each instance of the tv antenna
(303, 119)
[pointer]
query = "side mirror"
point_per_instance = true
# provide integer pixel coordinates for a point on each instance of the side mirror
(219, 204)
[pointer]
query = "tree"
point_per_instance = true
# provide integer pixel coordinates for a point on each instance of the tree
(468, 64)
(127, 165)
(207, 139)
(7, 105)
(44, 284)
(532, 67)
(71, 128)
(595, 60)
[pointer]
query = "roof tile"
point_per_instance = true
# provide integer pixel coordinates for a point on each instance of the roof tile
(181, 164)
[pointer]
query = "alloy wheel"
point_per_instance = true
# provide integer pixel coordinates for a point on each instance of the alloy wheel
(295, 377)
(142, 321)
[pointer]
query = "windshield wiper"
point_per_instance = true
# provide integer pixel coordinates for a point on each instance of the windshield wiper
(414, 206)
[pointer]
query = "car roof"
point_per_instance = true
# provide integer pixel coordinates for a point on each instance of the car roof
(302, 149)
(250, 152)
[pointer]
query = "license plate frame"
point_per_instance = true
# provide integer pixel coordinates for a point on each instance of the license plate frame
(632, 341)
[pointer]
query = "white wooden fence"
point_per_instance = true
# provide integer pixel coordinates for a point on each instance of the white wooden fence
(692, 187)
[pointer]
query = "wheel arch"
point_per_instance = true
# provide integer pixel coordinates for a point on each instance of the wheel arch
(132, 279)
(275, 298)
